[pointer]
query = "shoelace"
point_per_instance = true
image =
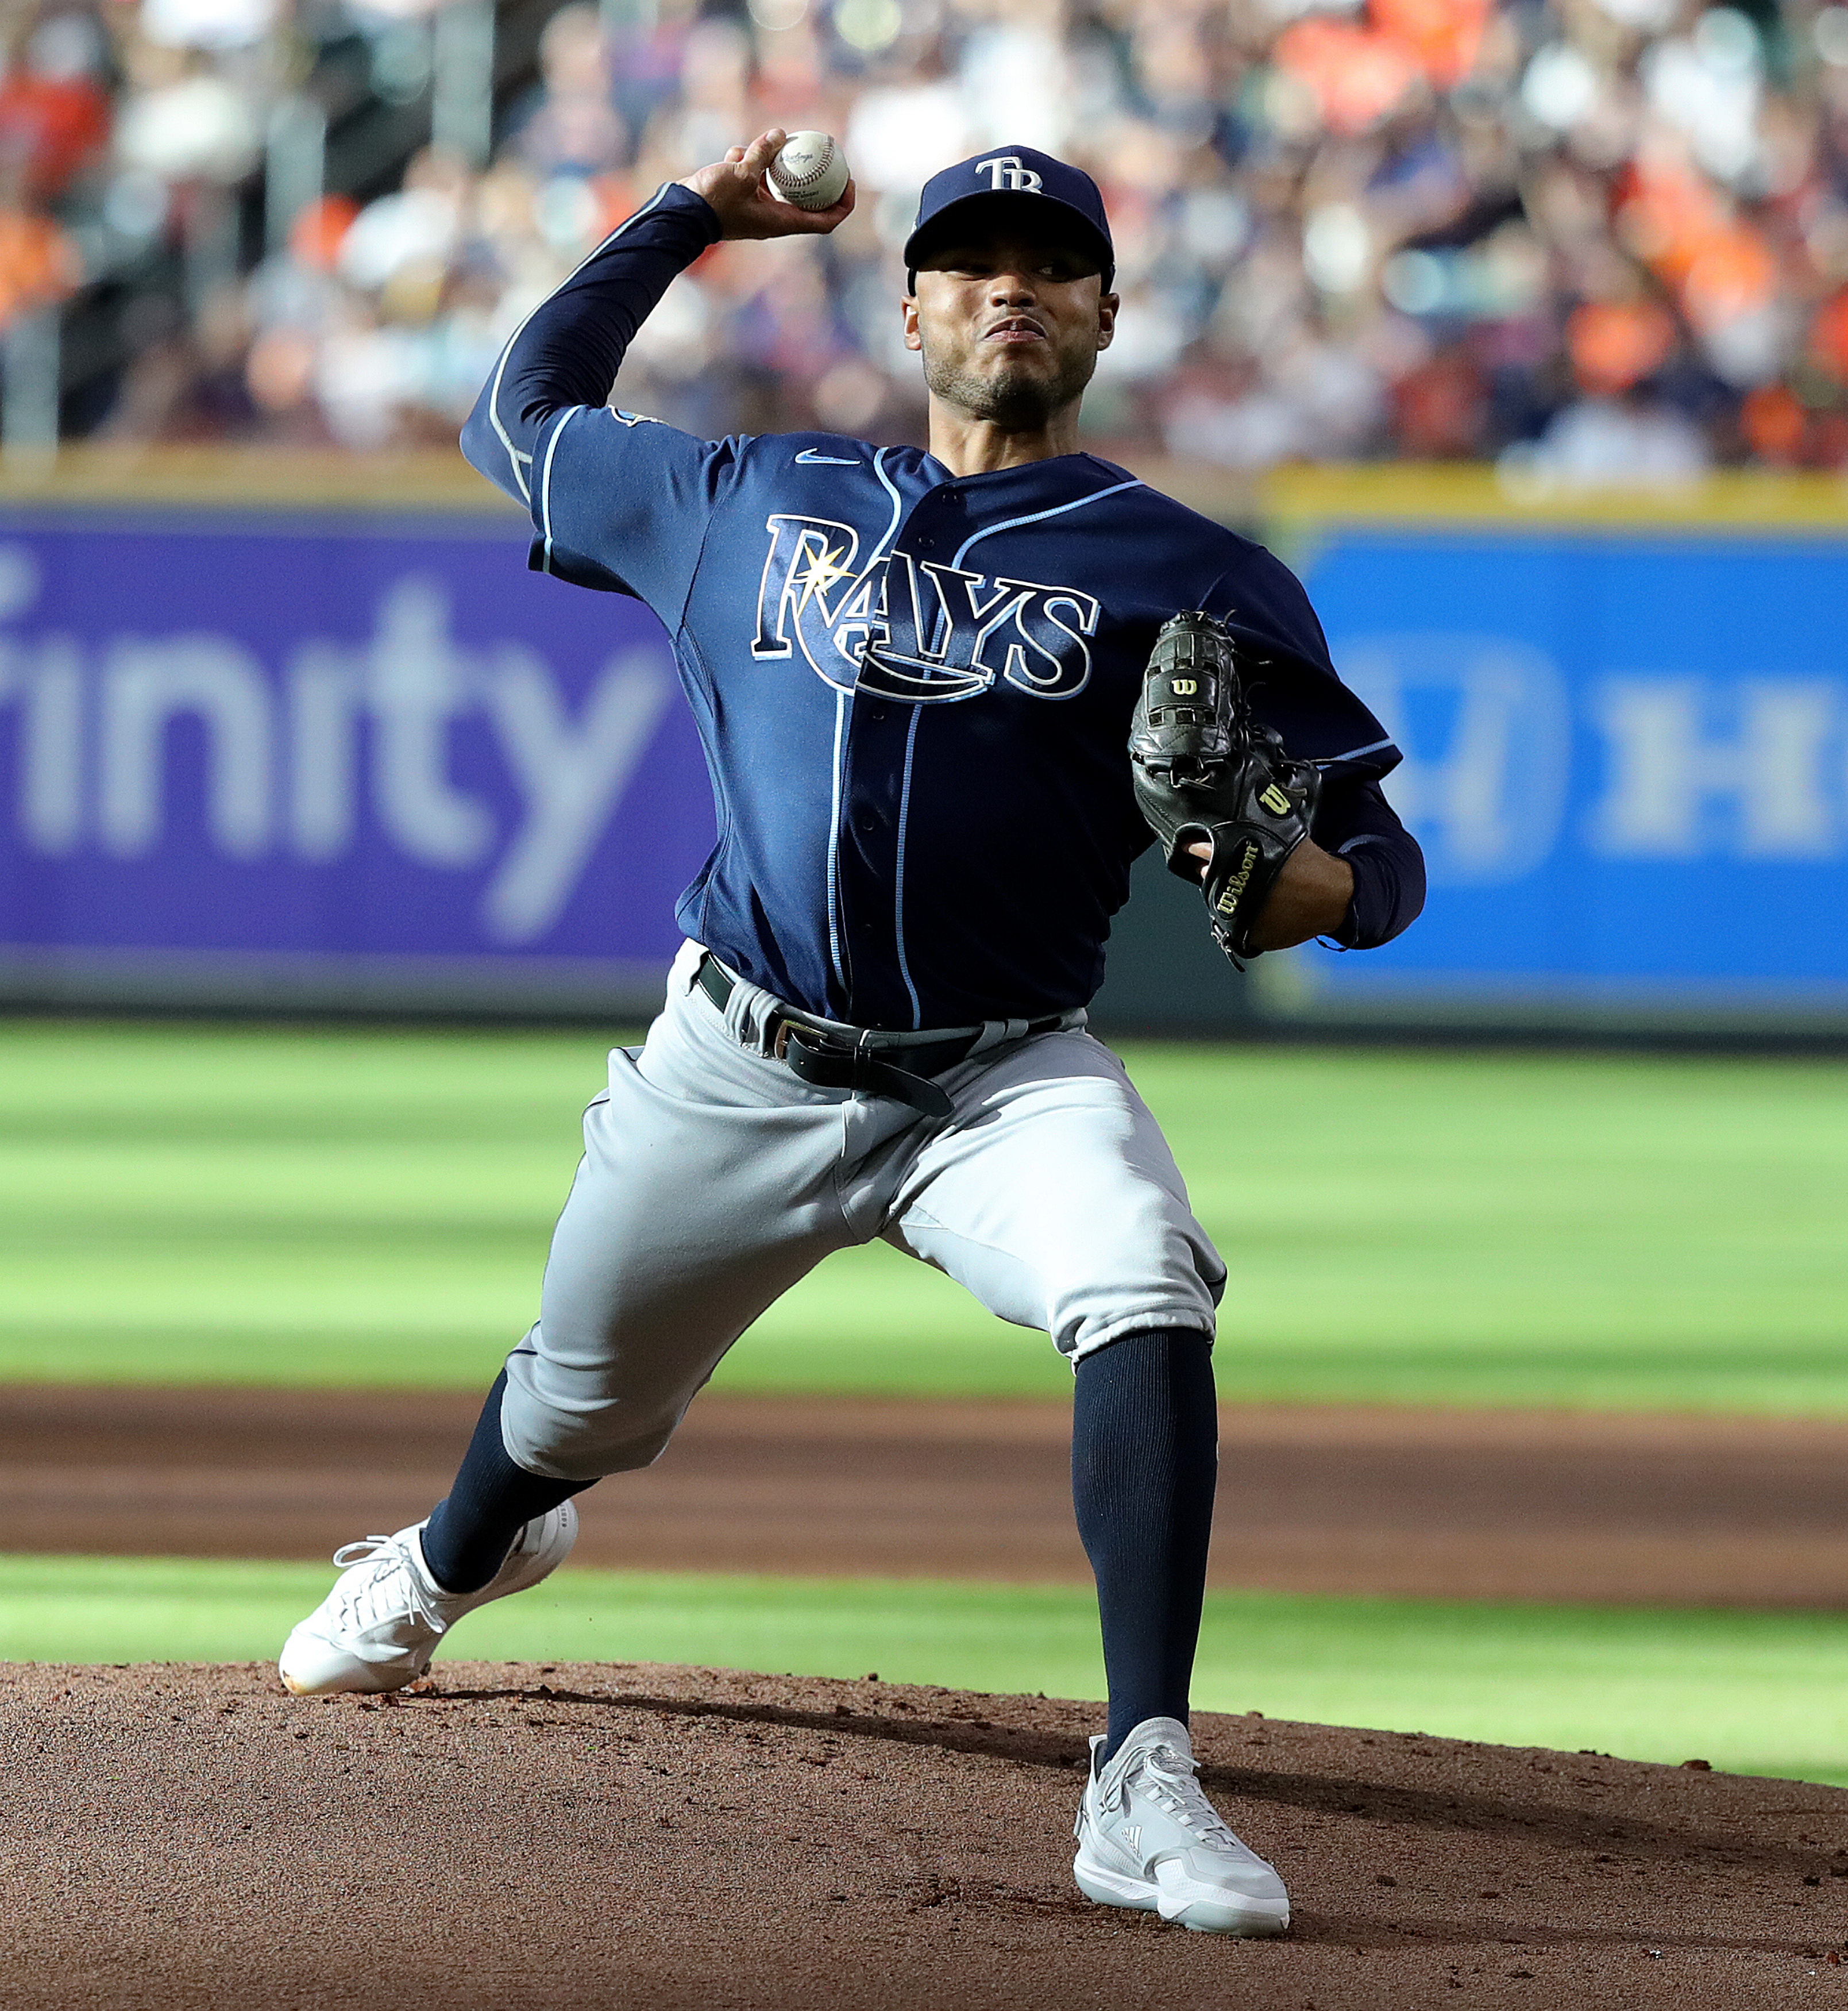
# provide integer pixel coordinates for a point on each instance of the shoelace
(391, 1559)
(1168, 1778)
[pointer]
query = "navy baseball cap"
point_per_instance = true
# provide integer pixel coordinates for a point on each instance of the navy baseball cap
(1023, 177)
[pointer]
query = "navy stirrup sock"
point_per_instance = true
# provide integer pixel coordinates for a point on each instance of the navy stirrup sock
(1145, 1458)
(468, 1537)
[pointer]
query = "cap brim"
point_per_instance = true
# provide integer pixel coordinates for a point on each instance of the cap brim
(986, 210)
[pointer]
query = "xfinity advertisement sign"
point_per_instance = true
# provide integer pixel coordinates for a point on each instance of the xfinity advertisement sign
(401, 755)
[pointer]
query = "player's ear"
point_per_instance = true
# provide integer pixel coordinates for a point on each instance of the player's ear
(914, 337)
(1107, 304)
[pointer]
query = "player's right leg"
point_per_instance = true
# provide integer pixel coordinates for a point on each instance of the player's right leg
(709, 1186)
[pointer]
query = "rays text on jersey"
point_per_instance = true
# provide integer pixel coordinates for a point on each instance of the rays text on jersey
(902, 628)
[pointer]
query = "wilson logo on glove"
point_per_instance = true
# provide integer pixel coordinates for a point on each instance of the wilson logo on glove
(1233, 891)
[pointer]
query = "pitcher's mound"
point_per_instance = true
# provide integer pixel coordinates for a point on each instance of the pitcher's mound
(583, 1837)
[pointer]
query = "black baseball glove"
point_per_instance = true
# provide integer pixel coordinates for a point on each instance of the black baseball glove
(1206, 771)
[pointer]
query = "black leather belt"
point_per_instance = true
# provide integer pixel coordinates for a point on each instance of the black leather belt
(832, 1061)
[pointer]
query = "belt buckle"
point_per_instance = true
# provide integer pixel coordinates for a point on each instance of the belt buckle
(813, 1039)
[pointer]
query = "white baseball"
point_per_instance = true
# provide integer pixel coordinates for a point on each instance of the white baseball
(809, 171)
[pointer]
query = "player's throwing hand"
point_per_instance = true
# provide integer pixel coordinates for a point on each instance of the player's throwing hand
(743, 203)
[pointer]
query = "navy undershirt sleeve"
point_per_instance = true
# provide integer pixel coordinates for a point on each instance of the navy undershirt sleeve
(1355, 821)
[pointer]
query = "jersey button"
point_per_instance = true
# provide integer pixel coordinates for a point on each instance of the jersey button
(876, 713)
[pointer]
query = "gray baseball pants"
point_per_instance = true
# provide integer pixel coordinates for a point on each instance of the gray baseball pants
(713, 1179)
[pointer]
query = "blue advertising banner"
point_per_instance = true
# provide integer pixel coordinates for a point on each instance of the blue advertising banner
(321, 757)
(281, 745)
(1627, 760)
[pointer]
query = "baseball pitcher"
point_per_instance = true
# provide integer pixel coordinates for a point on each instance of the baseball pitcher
(947, 697)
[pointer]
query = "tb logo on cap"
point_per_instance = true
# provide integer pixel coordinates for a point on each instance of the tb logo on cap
(1007, 172)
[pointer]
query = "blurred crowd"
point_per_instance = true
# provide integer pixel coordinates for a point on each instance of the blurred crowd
(1589, 240)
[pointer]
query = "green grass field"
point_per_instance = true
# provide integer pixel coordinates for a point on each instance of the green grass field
(250, 1205)
(1752, 1693)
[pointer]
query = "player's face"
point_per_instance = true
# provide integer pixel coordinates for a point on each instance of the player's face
(1009, 326)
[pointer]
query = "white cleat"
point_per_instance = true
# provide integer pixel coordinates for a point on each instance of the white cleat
(380, 1626)
(1148, 1838)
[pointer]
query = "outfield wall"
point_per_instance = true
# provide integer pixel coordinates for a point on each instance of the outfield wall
(300, 732)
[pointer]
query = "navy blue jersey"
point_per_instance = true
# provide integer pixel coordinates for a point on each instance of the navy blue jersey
(913, 687)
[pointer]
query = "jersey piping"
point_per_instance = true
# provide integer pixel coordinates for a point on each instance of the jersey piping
(833, 864)
(1038, 517)
(1355, 753)
(904, 805)
(565, 419)
(843, 702)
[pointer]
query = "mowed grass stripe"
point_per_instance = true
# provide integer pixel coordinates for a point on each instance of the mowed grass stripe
(1750, 1693)
(262, 1206)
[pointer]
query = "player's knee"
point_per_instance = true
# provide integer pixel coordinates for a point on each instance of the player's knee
(580, 1443)
(1185, 1326)
(1186, 1298)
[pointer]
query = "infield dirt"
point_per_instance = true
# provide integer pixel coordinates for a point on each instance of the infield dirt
(604, 1836)
(1445, 1504)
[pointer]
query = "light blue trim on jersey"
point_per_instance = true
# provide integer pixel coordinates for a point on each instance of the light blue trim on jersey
(904, 789)
(842, 701)
(1040, 516)
(1355, 753)
(834, 841)
(515, 457)
(879, 468)
(904, 804)
(565, 417)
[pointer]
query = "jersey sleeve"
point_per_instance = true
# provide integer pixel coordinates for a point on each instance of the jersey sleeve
(1283, 656)
(1355, 822)
(619, 501)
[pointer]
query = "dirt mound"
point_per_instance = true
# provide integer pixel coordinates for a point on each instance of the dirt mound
(583, 1836)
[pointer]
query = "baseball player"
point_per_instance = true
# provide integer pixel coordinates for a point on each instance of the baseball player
(916, 675)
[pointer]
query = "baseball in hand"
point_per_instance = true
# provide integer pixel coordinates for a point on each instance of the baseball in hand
(809, 171)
